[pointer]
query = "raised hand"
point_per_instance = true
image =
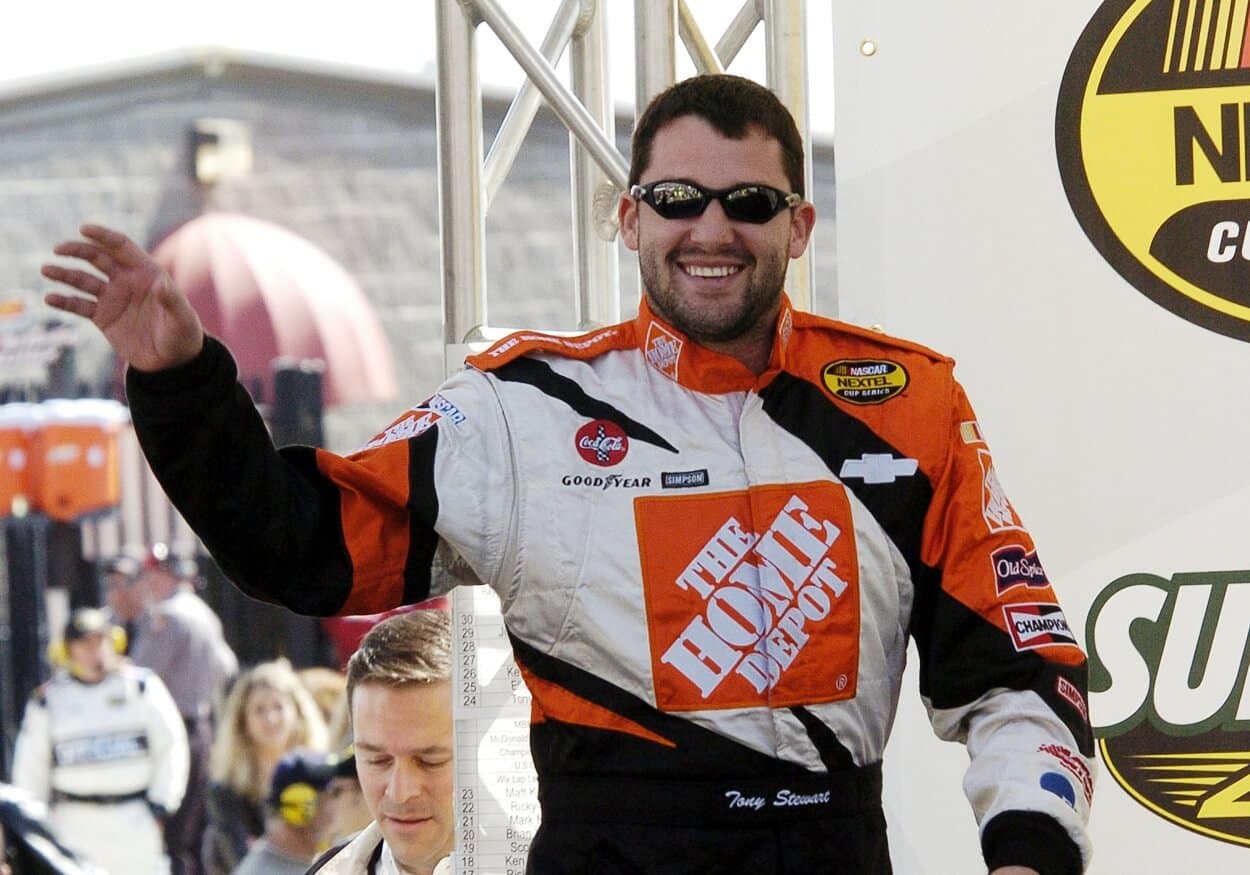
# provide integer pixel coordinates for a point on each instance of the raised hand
(144, 317)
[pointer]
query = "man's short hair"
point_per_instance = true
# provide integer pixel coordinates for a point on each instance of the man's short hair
(733, 106)
(411, 648)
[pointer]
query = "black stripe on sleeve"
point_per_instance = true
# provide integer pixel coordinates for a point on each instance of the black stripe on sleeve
(422, 515)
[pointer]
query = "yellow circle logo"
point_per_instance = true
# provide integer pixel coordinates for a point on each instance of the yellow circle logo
(1152, 134)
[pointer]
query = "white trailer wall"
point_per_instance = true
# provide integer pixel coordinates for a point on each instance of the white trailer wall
(1120, 430)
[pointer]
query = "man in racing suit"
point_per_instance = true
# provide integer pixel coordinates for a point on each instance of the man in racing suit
(103, 746)
(712, 530)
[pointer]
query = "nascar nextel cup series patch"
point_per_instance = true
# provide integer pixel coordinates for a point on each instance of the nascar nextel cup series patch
(1152, 134)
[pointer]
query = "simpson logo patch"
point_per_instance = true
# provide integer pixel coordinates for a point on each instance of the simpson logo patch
(663, 350)
(601, 442)
(683, 479)
(999, 515)
(864, 381)
(416, 423)
(1150, 133)
(1037, 625)
(1014, 566)
(1069, 693)
(752, 597)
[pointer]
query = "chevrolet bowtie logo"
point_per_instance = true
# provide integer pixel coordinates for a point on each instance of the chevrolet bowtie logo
(877, 468)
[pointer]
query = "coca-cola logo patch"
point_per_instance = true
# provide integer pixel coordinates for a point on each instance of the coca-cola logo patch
(1015, 566)
(602, 442)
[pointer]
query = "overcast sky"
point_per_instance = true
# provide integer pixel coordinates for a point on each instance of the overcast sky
(57, 36)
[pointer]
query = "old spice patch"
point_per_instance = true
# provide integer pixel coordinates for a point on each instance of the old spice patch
(752, 597)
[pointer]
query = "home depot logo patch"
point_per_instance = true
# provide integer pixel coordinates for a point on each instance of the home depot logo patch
(752, 597)
(1152, 133)
(996, 510)
(1169, 695)
(663, 350)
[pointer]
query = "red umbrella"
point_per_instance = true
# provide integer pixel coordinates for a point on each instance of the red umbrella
(268, 293)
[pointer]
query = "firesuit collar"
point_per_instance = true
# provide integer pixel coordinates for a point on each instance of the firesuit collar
(696, 367)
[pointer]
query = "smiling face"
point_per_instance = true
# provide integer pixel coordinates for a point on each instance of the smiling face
(404, 744)
(270, 718)
(717, 281)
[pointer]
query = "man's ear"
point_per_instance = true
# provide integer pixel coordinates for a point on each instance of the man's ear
(627, 218)
(802, 219)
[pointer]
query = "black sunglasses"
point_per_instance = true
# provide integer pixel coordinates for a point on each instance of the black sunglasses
(748, 202)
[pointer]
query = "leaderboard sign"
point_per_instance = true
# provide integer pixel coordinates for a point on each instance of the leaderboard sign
(1153, 139)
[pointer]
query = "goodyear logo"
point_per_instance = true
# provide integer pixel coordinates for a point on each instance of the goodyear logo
(1170, 698)
(1153, 138)
(864, 381)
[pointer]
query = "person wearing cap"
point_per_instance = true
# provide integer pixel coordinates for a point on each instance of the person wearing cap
(178, 636)
(349, 812)
(296, 816)
(399, 693)
(103, 746)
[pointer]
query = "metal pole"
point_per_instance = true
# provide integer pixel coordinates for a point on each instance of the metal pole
(570, 111)
(655, 57)
(597, 282)
(786, 60)
(507, 142)
(705, 59)
(462, 222)
(739, 31)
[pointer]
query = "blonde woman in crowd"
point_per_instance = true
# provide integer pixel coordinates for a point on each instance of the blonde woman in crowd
(267, 713)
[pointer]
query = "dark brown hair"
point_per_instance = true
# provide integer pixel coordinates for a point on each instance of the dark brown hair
(731, 104)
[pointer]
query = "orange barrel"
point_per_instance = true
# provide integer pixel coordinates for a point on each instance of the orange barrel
(18, 422)
(77, 465)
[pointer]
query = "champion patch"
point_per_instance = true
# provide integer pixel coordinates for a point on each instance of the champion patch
(864, 381)
(1037, 625)
(601, 442)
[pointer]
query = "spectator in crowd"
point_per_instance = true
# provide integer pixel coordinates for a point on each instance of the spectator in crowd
(102, 744)
(267, 713)
(296, 815)
(182, 641)
(349, 811)
(399, 692)
(177, 635)
(126, 599)
(326, 686)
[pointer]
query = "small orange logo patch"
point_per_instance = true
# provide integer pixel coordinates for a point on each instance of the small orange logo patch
(663, 350)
